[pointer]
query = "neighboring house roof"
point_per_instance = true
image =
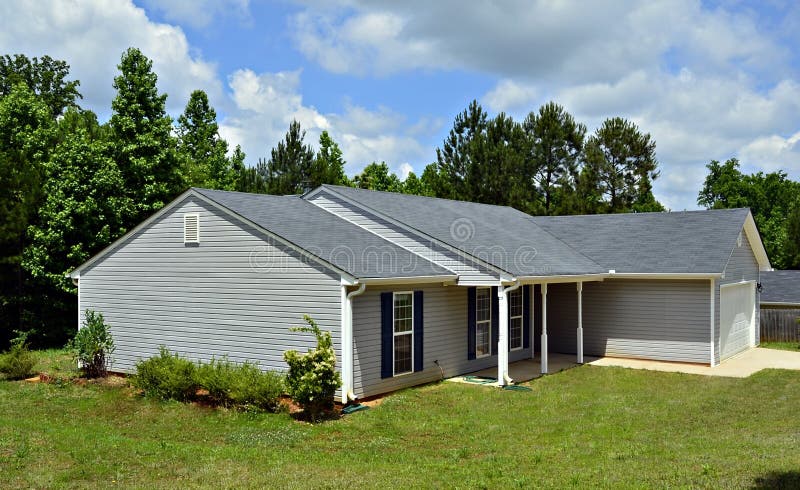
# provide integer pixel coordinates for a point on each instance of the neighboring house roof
(498, 235)
(322, 234)
(780, 287)
(664, 243)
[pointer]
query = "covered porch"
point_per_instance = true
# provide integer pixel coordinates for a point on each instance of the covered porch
(524, 370)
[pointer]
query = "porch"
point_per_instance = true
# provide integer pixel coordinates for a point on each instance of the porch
(525, 369)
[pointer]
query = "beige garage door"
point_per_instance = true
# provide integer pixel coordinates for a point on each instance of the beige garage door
(736, 317)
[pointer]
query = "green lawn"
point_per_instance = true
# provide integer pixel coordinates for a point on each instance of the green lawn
(781, 345)
(585, 427)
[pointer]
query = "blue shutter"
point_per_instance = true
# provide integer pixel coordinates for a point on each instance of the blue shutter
(418, 327)
(526, 317)
(387, 331)
(495, 321)
(471, 306)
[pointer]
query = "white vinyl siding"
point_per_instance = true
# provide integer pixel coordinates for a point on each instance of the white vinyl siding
(515, 319)
(483, 322)
(403, 326)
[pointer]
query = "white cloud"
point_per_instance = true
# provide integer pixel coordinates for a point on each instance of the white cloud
(266, 103)
(405, 169)
(774, 152)
(200, 13)
(509, 95)
(91, 36)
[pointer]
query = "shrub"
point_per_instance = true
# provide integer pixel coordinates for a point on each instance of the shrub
(93, 345)
(18, 362)
(312, 379)
(240, 385)
(166, 376)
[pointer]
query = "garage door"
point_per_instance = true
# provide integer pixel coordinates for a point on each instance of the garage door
(737, 303)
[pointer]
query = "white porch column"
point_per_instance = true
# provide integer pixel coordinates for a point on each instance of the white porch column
(532, 326)
(544, 328)
(344, 343)
(502, 343)
(580, 323)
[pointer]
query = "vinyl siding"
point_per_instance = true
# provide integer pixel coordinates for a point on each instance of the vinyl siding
(664, 320)
(469, 272)
(444, 339)
(236, 294)
(742, 266)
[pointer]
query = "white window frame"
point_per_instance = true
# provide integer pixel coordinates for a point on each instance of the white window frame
(396, 334)
(187, 216)
(521, 324)
(487, 322)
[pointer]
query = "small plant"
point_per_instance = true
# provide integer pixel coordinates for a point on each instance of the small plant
(240, 385)
(18, 362)
(166, 376)
(312, 379)
(93, 345)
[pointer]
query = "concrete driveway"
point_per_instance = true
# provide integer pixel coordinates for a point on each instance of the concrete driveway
(739, 366)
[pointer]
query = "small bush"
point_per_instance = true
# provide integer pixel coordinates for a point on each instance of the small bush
(18, 362)
(240, 385)
(312, 379)
(93, 346)
(166, 376)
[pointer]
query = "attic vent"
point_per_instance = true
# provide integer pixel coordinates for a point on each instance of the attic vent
(739, 240)
(191, 228)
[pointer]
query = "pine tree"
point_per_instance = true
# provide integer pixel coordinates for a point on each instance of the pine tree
(329, 164)
(201, 150)
(290, 167)
(144, 147)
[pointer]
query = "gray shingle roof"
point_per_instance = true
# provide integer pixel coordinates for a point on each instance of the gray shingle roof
(677, 242)
(780, 287)
(665, 243)
(500, 235)
(332, 239)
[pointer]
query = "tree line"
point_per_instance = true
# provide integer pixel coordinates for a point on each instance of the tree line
(74, 185)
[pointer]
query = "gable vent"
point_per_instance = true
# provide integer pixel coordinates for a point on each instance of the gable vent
(191, 228)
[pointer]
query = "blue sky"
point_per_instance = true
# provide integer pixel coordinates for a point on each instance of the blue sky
(708, 80)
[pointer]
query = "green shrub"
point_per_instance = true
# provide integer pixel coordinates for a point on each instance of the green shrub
(18, 362)
(93, 345)
(240, 385)
(166, 376)
(312, 379)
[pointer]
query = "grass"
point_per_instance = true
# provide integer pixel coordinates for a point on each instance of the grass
(584, 427)
(795, 346)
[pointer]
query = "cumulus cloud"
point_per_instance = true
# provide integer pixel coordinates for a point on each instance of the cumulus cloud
(509, 95)
(774, 152)
(266, 103)
(91, 37)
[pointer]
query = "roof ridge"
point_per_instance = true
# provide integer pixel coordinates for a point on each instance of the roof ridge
(419, 196)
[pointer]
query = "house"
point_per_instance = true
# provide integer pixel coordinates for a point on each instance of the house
(780, 306)
(414, 288)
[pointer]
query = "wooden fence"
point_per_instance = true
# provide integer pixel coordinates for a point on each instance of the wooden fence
(780, 325)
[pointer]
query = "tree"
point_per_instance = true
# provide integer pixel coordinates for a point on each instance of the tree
(143, 147)
(202, 151)
(459, 153)
(329, 164)
(289, 169)
(417, 186)
(26, 136)
(555, 147)
(82, 212)
(378, 177)
(772, 198)
(625, 164)
(46, 78)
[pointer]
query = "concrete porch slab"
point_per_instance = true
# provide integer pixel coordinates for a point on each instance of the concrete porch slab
(739, 366)
(526, 369)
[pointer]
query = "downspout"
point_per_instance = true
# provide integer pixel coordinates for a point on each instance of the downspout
(347, 344)
(503, 341)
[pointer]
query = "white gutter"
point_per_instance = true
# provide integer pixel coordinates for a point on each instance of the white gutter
(376, 281)
(502, 349)
(347, 341)
(666, 275)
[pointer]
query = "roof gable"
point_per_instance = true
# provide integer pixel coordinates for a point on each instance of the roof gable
(780, 287)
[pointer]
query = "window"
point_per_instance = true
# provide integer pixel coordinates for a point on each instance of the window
(403, 325)
(191, 228)
(483, 321)
(515, 319)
